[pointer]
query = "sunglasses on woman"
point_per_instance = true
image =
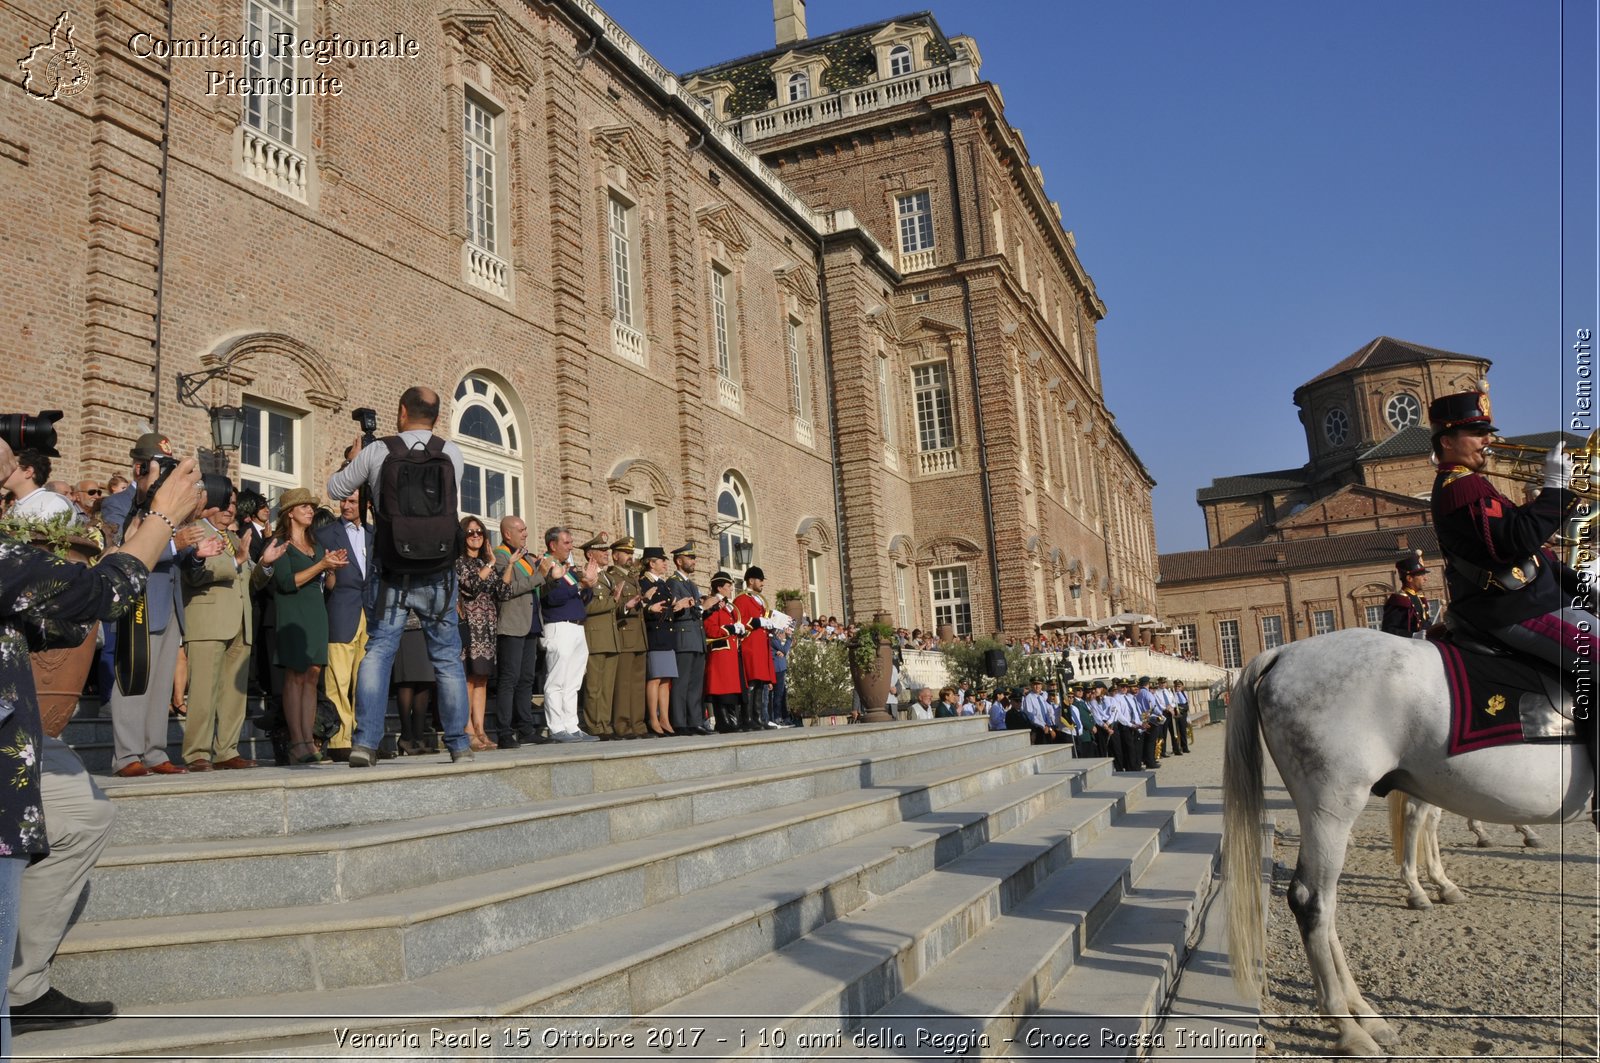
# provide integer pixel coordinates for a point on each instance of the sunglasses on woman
(475, 533)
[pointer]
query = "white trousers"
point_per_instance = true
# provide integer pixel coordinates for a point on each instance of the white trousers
(566, 658)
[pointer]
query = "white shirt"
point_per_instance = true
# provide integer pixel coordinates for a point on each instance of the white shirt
(42, 505)
(358, 545)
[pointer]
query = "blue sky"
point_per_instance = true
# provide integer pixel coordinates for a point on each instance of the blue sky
(1258, 189)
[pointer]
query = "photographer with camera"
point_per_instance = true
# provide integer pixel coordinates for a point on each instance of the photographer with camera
(53, 814)
(412, 478)
(139, 715)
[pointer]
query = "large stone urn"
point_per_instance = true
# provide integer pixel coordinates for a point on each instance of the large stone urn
(873, 683)
(59, 674)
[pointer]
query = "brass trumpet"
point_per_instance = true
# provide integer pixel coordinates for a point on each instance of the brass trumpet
(1525, 460)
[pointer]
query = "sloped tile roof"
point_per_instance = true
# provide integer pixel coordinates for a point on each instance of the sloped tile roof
(1254, 483)
(851, 63)
(1386, 350)
(1405, 443)
(1338, 551)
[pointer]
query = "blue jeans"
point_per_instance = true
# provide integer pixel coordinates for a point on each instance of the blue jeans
(11, 869)
(433, 600)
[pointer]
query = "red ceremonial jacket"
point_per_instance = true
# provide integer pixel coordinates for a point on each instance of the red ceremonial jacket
(722, 652)
(756, 650)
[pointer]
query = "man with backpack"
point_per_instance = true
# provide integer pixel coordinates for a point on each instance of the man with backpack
(412, 479)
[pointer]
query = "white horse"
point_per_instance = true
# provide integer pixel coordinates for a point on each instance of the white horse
(1342, 713)
(1414, 833)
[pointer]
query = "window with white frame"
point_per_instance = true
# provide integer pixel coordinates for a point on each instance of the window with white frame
(733, 516)
(620, 215)
(799, 86)
(814, 582)
(723, 327)
(270, 452)
(1271, 632)
(1321, 621)
(1374, 615)
(1188, 639)
(490, 439)
(478, 147)
(639, 521)
(930, 386)
(900, 595)
(1228, 637)
(899, 60)
(799, 367)
(951, 603)
(267, 23)
(885, 406)
(916, 222)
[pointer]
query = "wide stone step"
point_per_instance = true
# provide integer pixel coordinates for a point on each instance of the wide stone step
(343, 864)
(268, 801)
(908, 972)
(410, 933)
(717, 917)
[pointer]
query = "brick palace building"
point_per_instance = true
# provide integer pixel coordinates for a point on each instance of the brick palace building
(814, 300)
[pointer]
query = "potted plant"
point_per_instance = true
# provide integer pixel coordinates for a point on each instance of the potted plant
(792, 602)
(872, 667)
(818, 680)
(58, 674)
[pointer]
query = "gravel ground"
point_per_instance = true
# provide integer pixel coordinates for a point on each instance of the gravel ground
(1510, 973)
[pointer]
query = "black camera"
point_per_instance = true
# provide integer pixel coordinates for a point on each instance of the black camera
(367, 417)
(23, 431)
(218, 490)
(166, 464)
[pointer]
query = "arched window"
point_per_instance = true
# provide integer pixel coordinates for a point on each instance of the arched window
(799, 86)
(899, 60)
(490, 439)
(733, 522)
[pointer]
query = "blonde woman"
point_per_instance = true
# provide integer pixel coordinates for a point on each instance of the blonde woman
(302, 632)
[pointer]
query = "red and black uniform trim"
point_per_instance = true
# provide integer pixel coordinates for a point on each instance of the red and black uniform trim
(1405, 614)
(1478, 525)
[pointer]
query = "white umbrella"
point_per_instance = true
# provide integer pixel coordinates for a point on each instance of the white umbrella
(1066, 623)
(1125, 619)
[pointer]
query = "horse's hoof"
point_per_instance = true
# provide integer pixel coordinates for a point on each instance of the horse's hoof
(1532, 841)
(1379, 1030)
(1353, 1041)
(1484, 843)
(1419, 901)
(1455, 896)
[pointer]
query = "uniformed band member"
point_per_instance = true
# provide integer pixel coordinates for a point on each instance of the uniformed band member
(724, 675)
(1501, 578)
(688, 714)
(627, 697)
(1407, 611)
(755, 652)
(600, 630)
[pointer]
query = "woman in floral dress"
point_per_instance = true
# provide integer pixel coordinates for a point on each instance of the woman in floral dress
(47, 602)
(478, 604)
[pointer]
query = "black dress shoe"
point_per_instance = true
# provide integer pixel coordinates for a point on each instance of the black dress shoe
(509, 742)
(57, 1011)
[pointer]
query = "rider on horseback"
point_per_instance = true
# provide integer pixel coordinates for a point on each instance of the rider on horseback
(1502, 580)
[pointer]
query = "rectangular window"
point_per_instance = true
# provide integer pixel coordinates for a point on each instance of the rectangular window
(931, 388)
(951, 603)
(621, 263)
(1228, 635)
(916, 222)
(800, 391)
(900, 595)
(1321, 621)
(269, 453)
(814, 583)
(640, 521)
(266, 23)
(479, 154)
(719, 322)
(1188, 640)
(1375, 617)
(885, 411)
(1271, 632)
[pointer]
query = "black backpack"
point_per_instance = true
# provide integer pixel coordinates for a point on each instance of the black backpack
(418, 532)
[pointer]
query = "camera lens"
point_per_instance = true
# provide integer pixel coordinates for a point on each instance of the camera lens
(23, 431)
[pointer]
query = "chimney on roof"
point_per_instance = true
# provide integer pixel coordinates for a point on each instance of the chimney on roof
(1402, 542)
(789, 19)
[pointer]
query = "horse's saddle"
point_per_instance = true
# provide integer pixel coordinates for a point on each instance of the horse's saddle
(1498, 696)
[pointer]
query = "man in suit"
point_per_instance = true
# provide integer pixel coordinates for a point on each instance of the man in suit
(688, 714)
(218, 636)
(139, 722)
(347, 618)
(600, 632)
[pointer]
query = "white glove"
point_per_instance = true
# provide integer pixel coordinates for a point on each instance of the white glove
(1558, 467)
(739, 629)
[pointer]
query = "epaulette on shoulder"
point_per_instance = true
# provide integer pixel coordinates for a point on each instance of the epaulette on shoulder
(1458, 486)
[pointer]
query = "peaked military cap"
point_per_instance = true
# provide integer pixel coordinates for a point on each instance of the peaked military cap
(596, 543)
(1465, 409)
(686, 550)
(624, 543)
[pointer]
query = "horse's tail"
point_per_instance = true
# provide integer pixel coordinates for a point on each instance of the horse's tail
(1243, 804)
(1397, 825)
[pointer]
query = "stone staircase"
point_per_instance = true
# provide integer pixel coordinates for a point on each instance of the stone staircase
(890, 890)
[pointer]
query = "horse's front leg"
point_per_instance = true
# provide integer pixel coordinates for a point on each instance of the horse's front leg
(1530, 840)
(1449, 892)
(1478, 832)
(1416, 815)
(1313, 898)
(1376, 1026)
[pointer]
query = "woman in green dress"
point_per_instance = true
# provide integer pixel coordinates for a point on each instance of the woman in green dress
(298, 581)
